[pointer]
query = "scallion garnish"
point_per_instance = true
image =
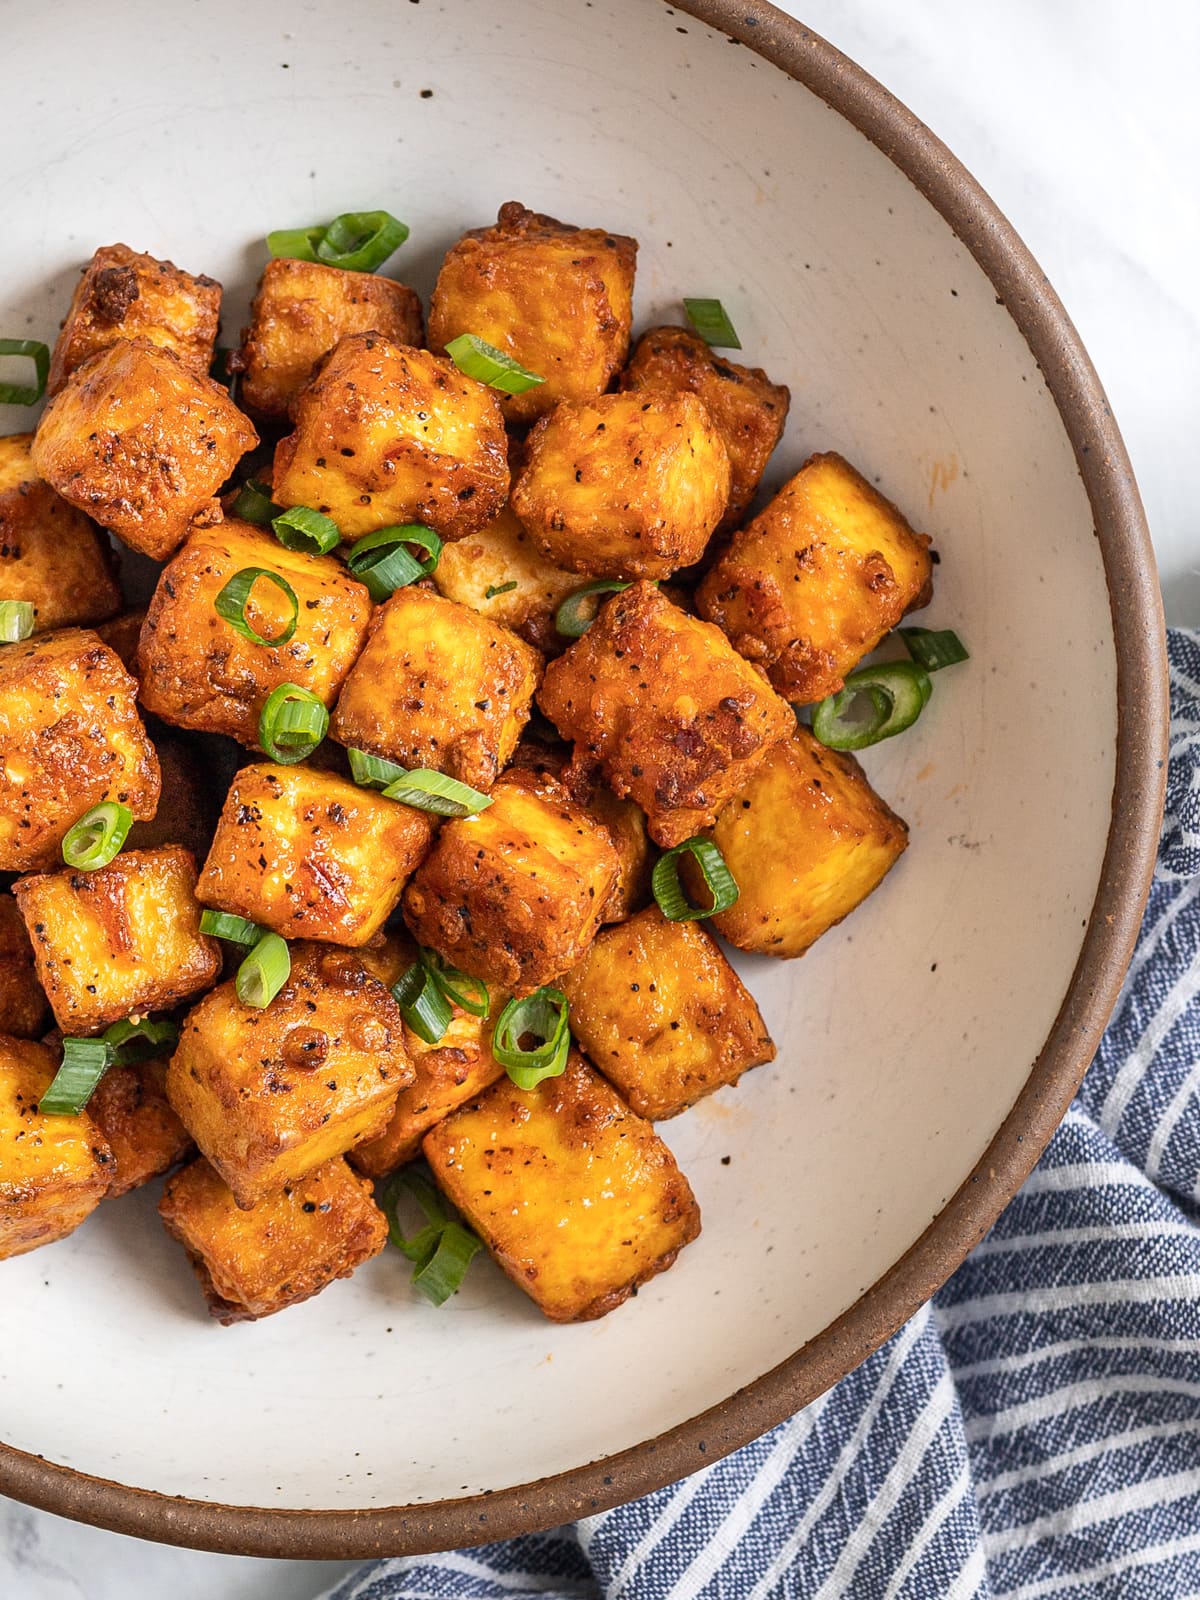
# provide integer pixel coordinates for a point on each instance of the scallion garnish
(483, 362)
(934, 649)
(308, 531)
(577, 612)
(892, 696)
(264, 972)
(372, 772)
(711, 321)
(422, 1004)
(718, 880)
(292, 724)
(144, 1040)
(97, 837)
(232, 601)
(254, 504)
(383, 561)
(237, 930)
(493, 589)
(16, 620)
(442, 1250)
(468, 993)
(85, 1061)
(542, 1017)
(357, 241)
(434, 791)
(26, 394)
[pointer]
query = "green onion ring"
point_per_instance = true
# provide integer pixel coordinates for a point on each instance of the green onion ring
(544, 1014)
(711, 322)
(442, 1250)
(483, 362)
(422, 1004)
(668, 889)
(26, 394)
(144, 1040)
(356, 241)
(232, 601)
(572, 619)
(897, 691)
(428, 790)
(383, 561)
(372, 772)
(97, 837)
(17, 618)
(460, 988)
(264, 972)
(307, 531)
(253, 503)
(84, 1063)
(236, 930)
(934, 649)
(292, 724)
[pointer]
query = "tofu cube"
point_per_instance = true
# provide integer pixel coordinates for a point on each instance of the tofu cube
(120, 941)
(514, 895)
(437, 685)
(670, 712)
(746, 408)
(663, 1015)
(121, 635)
(336, 856)
(198, 671)
(134, 1116)
(141, 443)
(290, 1247)
(807, 840)
(386, 434)
(70, 737)
(556, 298)
(54, 1171)
(270, 1095)
(816, 580)
(23, 1004)
(500, 574)
(301, 310)
(623, 486)
(126, 295)
(575, 1196)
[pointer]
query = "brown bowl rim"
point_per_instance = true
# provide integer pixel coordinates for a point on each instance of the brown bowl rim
(1108, 944)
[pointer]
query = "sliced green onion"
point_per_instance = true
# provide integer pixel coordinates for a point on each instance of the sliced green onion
(575, 615)
(237, 930)
(357, 241)
(486, 364)
(544, 1015)
(298, 243)
(254, 504)
(718, 880)
(443, 1270)
(264, 972)
(711, 321)
(84, 1063)
(16, 620)
(144, 1040)
(306, 530)
(372, 772)
(97, 837)
(894, 695)
(934, 649)
(442, 1250)
(422, 1004)
(292, 724)
(434, 791)
(468, 993)
(493, 589)
(26, 394)
(233, 598)
(383, 561)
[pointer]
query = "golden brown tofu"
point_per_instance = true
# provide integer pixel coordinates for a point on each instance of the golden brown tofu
(50, 554)
(142, 444)
(500, 574)
(807, 840)
(663, 1015)
(121, 635)
(120, 941)
(558, 299)
(386, 434)
(199, 672)
(130, 1108)
(312, 855)
(270, 1095)
(70, 736)
(54, 1171)
(666, 707)
(574, 1194)
(816, 580)
(622, 486)
(437, 685)
(125, 295)
(301, 310)
(23, 1004)
(746, 408)
(514, 895)
(290, 1247)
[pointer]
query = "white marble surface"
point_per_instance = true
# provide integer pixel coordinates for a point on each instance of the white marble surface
(1080, 119)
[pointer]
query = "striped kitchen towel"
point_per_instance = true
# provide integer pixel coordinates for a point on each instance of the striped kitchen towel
(1033, 1432)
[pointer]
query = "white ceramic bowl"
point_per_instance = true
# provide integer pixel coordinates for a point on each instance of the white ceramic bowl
(928, 1046)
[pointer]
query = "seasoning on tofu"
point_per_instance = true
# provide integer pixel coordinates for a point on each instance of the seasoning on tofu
(23, 1003)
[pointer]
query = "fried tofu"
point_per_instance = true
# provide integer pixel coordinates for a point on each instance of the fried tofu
(663, 1015)
(198, 671)
(54, 1170)
(746, 408)
(70, 737)
(438, 685)
(667, 709)
(290, 1247)
(386, 434)
(120, 941)
(499, 573)
(514, 895)
(141, 443)
(121, 635)
(556, 298)
(575, 1196)
(301, 310)
(623, 486)
(815, 581)
(270, 1095)
(23, 1004)
(130, 1108)
(312, 855)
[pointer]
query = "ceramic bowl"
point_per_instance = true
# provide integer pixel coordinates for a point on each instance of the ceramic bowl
(928, 1046)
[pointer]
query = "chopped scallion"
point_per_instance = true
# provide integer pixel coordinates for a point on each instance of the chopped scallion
(428, 790)
(356, 241)
(372, 772)
(422, 1004)
(934, 649)
(16, 620)
(97, 837)
(253, 503)
(308, 531)
(234, 597)
(493, 589)
(711, 322)
(384, 562)
(264, 972)
(292, 724)
(468, 993)
(85, 1061)
(237, 930)
(718, 880)
(577, 612)
(26, 394)
(542, 1017)
(876, 703)
(483, 362)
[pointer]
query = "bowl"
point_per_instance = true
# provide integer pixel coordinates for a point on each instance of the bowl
(929, 1046)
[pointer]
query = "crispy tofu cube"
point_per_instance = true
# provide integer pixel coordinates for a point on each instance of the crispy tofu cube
(125, 295)
(198, 672)
(438, 685)
(141, 443)
(301, 310)
(816, 580)
(624, 487)
(50, 554)
(121, 635)
(290, 1247)
(386, 434)
(120, 941)
(575, 1196)
(514, 895)
(500, 574)
(23, 1004)
(558, 299)
(807, 840)
(336, 856)
(663, 1015)
(270, 1095)
(746, 408)
(673, 716)
(134, 1116)
(70, 736)
(54, 1171)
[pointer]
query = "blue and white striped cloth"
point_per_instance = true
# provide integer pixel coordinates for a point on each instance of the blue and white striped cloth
(1035, 1431)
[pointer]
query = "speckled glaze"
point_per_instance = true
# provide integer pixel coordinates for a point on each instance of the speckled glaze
(929, 1046)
